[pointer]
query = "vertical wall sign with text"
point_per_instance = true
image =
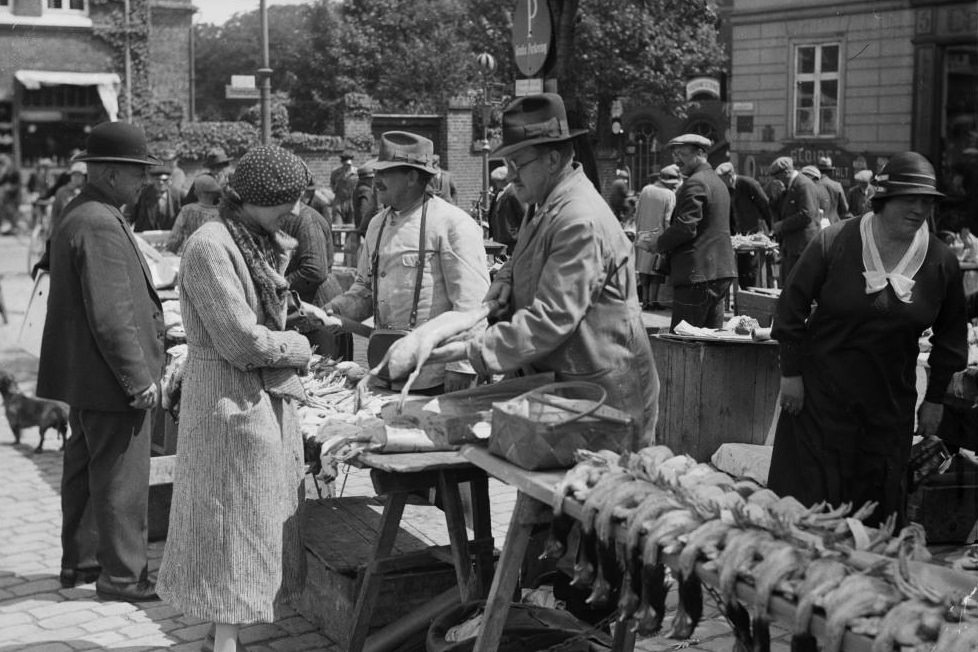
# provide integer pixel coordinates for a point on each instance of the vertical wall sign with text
(532, 31)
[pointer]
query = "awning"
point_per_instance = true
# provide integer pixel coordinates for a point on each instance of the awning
(107, 84)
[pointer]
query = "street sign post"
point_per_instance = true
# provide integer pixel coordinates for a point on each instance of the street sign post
(532, 33)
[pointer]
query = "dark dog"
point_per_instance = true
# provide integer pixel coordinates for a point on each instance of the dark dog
(26, 411)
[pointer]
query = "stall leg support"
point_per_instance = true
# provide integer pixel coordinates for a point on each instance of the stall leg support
(526, 513)
(372, 577)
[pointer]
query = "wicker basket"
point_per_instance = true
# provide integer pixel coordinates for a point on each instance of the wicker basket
(542, 428)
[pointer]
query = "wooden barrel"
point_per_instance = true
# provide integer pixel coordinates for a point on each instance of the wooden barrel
(714, 393)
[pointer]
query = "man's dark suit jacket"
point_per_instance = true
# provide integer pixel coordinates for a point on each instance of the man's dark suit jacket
(103, 336)
(147, 214)
(698, 237)
(798, 219)
(750, 205)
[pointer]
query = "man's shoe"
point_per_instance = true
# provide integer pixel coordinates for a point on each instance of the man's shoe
(139, 592)
(69, 577)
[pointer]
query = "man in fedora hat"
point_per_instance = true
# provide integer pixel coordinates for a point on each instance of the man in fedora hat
(421, 256)
(838, 206)
(342, 181)
(750, 212)
(102, 354)
(797, 219)
(568, 291)
(656, 202)
(697, 241)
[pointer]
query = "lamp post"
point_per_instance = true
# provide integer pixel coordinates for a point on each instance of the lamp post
(265, 78)
(487, 63)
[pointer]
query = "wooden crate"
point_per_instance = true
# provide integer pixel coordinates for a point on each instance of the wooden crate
(758, 303)
(714, 393)
(340, 534)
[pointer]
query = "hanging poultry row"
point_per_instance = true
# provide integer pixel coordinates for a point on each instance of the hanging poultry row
(649, 515)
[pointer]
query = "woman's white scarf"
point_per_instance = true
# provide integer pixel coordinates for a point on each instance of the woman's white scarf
(901, 278)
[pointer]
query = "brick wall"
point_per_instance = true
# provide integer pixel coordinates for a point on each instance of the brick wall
(458, 156)
(169, 53)
(41, 48)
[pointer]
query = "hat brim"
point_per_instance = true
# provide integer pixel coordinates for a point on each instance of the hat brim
(504, 150)
(147, 160)
(387, 165)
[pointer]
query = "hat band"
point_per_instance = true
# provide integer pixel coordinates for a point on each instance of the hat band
(907, 178)
(552, 128)
(404, 158)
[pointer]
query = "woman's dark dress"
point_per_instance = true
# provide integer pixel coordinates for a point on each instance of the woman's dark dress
(857, 355)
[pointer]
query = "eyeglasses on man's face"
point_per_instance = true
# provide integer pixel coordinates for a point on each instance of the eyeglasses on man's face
(515, 168)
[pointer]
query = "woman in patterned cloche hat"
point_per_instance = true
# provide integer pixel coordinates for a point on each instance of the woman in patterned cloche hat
(234, 552)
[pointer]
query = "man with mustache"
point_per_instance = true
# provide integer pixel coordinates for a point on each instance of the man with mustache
(421, 256)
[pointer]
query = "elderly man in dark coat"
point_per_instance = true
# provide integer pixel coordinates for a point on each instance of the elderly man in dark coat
(750, 212)
(701, 257)
(797, 220)
(102, 354)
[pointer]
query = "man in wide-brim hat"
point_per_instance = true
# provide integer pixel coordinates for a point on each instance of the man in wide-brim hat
(421, 256)
(568, 291)
(102, 354)
(697, 240)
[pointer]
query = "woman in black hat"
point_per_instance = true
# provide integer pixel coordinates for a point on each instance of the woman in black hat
(848, 367)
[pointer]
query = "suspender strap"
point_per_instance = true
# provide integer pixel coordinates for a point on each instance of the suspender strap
(412, 321)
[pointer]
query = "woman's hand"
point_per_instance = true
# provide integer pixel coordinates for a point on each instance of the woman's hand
(792, 394)
(929, 417)
(317, 315)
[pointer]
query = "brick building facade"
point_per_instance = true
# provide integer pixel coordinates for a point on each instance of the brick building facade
(59, 77)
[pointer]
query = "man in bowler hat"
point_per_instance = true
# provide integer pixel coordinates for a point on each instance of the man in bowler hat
(102, 354)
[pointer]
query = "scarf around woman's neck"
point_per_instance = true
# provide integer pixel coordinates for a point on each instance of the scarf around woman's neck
(900, 277)
(264, 254)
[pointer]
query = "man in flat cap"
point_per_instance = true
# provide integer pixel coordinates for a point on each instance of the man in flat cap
(838, 205)
(217, 163)
(102, 354)
(796, 219)
(861, 193)
(158, 204)
(701, 257)
(421, 256)
(750, 212)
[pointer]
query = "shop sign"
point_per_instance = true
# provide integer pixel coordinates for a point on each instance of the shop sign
(528, 86)
(242, 87)
(708, 85)
(742, 107)
(532, 32)
(951, 20)
(846, 163)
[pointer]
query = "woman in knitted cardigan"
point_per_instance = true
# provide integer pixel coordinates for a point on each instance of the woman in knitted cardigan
(234, 551)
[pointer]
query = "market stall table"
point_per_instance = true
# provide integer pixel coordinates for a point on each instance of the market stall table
(536, 495)
(396, 477)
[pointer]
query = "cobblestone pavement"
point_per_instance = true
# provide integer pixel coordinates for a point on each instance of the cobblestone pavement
(37, 614)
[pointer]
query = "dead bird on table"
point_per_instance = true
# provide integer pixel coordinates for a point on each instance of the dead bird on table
(27, 411)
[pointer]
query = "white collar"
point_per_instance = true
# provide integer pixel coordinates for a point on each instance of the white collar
(901, 277)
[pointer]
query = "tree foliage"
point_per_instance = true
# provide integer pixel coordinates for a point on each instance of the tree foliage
(411, 56)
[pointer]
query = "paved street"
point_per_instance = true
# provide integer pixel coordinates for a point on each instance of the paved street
(37, 614)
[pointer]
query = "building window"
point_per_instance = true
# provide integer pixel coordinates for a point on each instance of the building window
(816, 102)
(5, 5)
(74, 6)
(644, 149)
